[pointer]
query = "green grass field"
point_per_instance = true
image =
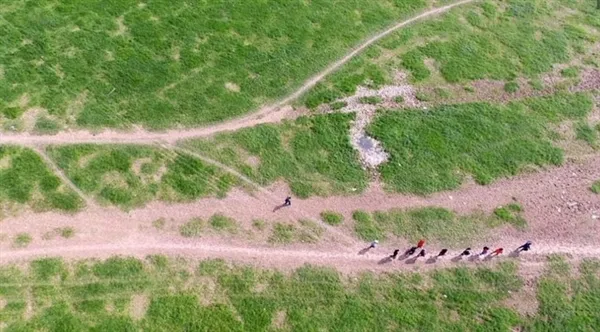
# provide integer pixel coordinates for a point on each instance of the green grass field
(130, 176)
(431, 223)
(158, 294)
(312, 154)
(26, 180)
(159, 63)
(435, 150)
(498, 40)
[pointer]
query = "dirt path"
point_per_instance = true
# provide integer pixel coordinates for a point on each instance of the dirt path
(558, 206)
(270, 114)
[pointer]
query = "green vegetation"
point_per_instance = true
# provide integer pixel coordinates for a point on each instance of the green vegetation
(192, 228)
(22, 240)
(484, 40)
(431, 223)
(25, 179)
(64, 232)
(434, 150)
(338, 105)
(312, 154)
(159, 223)
(570, 72)
(595, 188)
(399, 99)
(222, 223)
(46, 126)
(259, 224)
(511, 214)
(307, 231)
(215, 296)
(442, 93)
(511, 87)
(537, 84)
(158, 63)
(130, 176)
(371, 100)
(423, 96)
(585, 132)
(332, 218)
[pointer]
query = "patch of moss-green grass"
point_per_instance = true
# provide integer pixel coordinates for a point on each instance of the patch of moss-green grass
(585, 132)
(244, 298)
(431, 223)
(305, 231)
(484, 40)
(312, 154)
(22, 240)
(161, 63)
(512, 214)
(221, 223)
(25, 179)
(595, 187)
(130, 176)
(371, 100)
(435, 150)
(332, 218)
(192, 228)
(511, 87)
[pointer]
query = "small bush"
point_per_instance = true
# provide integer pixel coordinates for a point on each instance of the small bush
(399, 99)
(22, 240)
(192, 228)
(511, 87)
(338, 105)
(332, 218)
(371, 100)
(595, 188)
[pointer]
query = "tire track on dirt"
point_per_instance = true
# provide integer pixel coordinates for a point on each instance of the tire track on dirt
(269, 114)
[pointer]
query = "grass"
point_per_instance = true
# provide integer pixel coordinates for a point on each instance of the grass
(259, 224)
(512, 215)
(159, 223)
(64, 232)
(306, 231)
(585, 132)
(431, 223)
(595, 187)
(484, 40)
(435, 150)
(98, 295)
(511, 87)
(222, 223)
(130, 176)
(399, 99)
(312, 154)
(332, 218)
(370, 100)
(46, 126)
(337, 105)
(27, 180)
(192, 228)
(157, 64)
(22, 240)
(570, 72)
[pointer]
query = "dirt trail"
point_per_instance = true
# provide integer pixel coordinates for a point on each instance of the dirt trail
(270, 114)
(348, 261)
(558, 206)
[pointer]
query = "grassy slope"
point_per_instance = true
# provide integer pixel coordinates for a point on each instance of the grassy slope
(312, 154)
(99, 296)
(25, 179)
(489, 39)
(130, 176)
(160, 63)
(435, 150)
